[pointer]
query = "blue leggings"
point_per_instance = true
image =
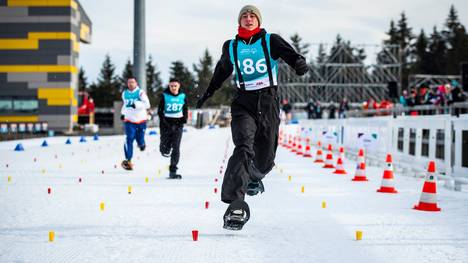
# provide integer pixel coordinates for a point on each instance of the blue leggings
(133, 131)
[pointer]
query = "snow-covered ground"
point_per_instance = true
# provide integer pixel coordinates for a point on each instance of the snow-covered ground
(154, 222)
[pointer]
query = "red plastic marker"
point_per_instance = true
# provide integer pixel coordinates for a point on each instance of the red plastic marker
(216, 180)
(215, 190)
(79, 180)
(48, 190)
(207, 205)
(195, 235)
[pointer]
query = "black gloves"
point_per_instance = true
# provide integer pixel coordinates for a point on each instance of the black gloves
(202, 100)
(133, 105)
(122, 117)
(301, 66)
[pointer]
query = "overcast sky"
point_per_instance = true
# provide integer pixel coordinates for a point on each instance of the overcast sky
(182, 30)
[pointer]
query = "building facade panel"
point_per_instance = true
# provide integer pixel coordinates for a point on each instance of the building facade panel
(39, 50)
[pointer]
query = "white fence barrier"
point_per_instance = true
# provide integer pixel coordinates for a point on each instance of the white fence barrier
(412, 140)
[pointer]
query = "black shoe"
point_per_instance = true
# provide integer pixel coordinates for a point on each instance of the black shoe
(142, 147)
(127, 165)
(236, 215)
(174, 176)
(255, 187)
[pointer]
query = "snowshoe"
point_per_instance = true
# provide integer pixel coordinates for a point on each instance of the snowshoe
(174, 176)
(166, 153)
(255, 187)
(237, 214)
(127, 165)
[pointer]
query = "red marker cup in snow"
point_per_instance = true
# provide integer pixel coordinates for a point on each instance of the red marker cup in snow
(195, 235)
(207, 205)
(216, 190)
(49, 190)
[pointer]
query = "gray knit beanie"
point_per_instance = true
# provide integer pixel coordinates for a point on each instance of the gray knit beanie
(252, 9)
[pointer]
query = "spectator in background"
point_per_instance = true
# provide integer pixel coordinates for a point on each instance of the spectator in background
(287, 108)
(431, 97)
(310, 109)
(404, 98)
(344, 106)
(318, 110)
(331, 110)
(91, 106)
(456, 93)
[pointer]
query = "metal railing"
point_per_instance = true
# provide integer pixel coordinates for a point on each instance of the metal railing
(454, 109)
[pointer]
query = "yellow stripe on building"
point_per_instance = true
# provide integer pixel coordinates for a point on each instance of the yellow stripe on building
(32, 42)
(71, 3)
(34, 118)
(39, 68)
(57, 96)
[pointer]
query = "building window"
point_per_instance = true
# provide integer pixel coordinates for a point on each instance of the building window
(425, 143)
(25, 106)
(412, 141)
(401, 133)
(6, 105)
(440, 144)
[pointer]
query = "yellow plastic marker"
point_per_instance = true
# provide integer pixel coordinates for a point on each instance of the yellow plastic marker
(102, 206)
(60, 166)
(302, 189)
(51, 236)
(289, 178)
(358, 235)
(43, 171)
(324, 204)
(129, 189)
(159, 172)
(9, 178)
(146, 180)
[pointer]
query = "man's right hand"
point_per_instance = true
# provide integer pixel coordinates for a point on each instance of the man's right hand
(122, 117)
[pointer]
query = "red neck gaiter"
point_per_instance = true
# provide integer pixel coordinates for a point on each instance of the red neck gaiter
(246, 34)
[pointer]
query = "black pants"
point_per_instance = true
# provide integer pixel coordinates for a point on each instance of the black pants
(254, 128)
(171, 135)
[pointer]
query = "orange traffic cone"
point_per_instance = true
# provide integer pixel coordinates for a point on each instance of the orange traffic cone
(307, 153)
(319, 157)
(329, 159)
(428, 200)
(289, 143)
(387, 178)
(294, 145)
(342, 153)
(360, 160)
(360, 175)
(339, 167)
(299, 150)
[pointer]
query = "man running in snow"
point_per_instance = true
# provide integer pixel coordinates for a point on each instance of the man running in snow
(253, 56)
(172, 112)
(134, 115)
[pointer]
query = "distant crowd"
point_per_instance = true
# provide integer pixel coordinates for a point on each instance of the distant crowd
(442, 95)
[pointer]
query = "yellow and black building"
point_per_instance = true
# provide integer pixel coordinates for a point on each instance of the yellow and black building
(39, 50)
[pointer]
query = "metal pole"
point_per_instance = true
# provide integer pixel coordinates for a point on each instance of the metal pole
(139, 65)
